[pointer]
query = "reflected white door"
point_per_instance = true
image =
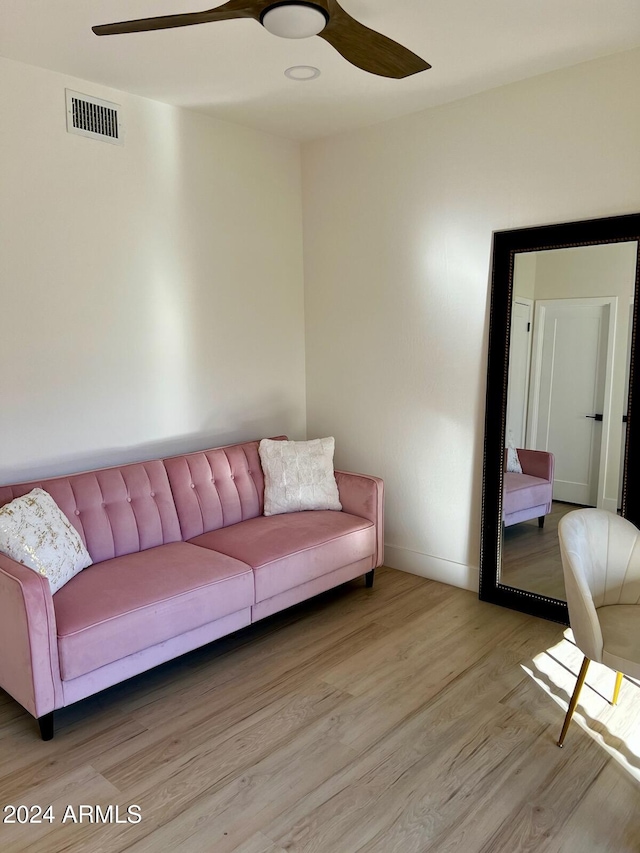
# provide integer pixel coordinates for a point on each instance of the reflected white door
(519, 366)
(568, 392)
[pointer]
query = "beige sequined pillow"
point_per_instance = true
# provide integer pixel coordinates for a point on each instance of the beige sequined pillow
(35, 532)
(513, 460)
(298, 475)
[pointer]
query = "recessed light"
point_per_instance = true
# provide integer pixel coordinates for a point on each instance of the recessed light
(302, 72)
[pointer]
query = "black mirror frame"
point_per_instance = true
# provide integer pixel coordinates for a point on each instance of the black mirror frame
(506, 244)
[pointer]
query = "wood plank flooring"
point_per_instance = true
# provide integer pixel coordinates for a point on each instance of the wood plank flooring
(410, 717)
(531, 555)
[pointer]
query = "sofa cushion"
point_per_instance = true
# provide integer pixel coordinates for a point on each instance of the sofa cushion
(115, 609)
(288, 550)
(116, 511)
(522, 491)
(215, 488)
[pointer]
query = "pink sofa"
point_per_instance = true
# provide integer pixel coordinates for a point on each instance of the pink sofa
(182, 555)
(528, 495)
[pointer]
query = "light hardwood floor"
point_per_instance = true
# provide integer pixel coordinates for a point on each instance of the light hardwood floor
(531, 555)
(409, 717)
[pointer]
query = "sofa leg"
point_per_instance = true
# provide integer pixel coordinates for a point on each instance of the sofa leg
(541, 521)
(46, 726)
(368, 578)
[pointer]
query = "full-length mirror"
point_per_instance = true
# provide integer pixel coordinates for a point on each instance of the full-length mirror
(559, 426)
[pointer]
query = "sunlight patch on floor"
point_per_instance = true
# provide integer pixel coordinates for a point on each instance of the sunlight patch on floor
(615, 728)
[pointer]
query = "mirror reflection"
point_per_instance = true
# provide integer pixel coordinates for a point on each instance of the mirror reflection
(567, 394)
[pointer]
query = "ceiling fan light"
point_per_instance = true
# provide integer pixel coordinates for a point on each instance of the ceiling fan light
(294, 20)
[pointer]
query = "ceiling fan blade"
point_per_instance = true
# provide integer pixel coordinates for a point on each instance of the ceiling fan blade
(368, 49)
(232, 9)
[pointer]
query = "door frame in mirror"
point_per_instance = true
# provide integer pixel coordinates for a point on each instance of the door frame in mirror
(506, 244)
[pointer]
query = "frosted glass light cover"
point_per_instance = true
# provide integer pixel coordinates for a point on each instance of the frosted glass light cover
(294, 22)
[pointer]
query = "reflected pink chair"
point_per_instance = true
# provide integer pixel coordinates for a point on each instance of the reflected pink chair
(528, 495)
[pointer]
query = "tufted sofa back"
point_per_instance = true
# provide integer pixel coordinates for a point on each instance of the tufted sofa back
(216, 488)
(116, 510)
(131, 508)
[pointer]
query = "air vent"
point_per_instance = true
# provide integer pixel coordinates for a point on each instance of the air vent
(94, 118)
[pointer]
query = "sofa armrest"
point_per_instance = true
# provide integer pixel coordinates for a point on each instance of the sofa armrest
(537, 463)
(29, 668)
(363, 496)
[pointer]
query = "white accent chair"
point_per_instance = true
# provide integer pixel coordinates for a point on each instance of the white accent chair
(601, 562)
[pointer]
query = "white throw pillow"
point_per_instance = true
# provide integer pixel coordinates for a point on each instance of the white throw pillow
(298, 475)
(35, 532)
(513, 460)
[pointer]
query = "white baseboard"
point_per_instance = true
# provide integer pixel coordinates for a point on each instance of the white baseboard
(434, 568)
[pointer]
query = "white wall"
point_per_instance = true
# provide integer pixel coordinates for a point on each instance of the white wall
(151, 296)
(524, 275)
(398, 222)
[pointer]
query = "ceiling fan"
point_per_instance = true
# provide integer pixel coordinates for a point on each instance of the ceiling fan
(359, 45)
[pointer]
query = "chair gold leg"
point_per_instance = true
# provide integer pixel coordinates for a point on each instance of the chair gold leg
(574, 699)
(616, 689)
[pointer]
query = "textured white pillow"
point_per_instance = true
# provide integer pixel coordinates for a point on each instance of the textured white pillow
(298, 475)
(513, 460)
(35, 532)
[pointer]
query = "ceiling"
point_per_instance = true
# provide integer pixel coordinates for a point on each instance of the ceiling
(234, 70)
